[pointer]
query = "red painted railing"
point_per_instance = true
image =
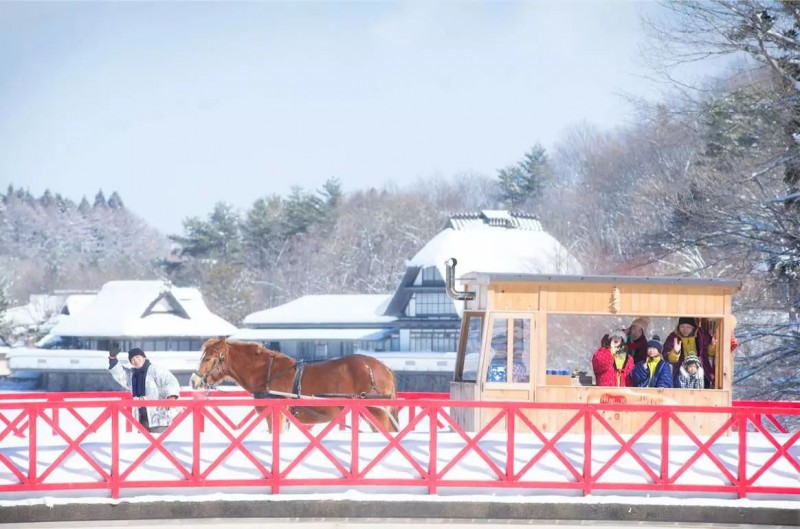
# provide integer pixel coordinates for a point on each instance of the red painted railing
(222, 442)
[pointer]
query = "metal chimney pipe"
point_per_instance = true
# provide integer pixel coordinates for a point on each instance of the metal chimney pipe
(450, 282)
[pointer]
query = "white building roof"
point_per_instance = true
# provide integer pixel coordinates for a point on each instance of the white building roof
(144, 308)
(318, 309)
(38, 309)
(77, 302)
(497, 241)
(309, 334)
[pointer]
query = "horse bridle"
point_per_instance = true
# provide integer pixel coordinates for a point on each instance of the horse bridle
(217, 366)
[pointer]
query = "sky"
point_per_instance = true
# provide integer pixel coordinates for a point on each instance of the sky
(180, 105)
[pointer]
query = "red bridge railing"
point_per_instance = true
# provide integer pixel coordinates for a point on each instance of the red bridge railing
(51, 442)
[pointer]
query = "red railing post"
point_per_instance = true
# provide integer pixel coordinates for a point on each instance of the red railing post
(32, 445)
(433, 413)
(742, 467)
(664, 447)
(115, 481)
(587, 449)
(354, 440)
(511, 420)
(197, 427)
(276, 417)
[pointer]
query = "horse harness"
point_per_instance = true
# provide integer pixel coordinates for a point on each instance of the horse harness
(217, 366)
(297, 388)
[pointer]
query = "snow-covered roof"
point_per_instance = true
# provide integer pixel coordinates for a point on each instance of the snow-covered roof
(38, 309)
(320, 309)
(309, 334)
(77, 302)
(144, 308)
(497, 241)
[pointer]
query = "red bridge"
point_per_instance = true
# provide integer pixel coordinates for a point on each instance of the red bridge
(90, 441)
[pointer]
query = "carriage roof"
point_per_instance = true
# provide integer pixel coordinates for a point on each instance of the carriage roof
(488, 277)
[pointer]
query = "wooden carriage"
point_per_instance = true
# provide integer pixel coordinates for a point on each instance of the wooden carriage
(507, 316)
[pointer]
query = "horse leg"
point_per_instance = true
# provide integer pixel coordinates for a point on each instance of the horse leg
(268, 418)
(381, 416)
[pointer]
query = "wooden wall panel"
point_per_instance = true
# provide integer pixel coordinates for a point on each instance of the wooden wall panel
(629, 422)
(466, 418)
(515, 297)
(652, 300)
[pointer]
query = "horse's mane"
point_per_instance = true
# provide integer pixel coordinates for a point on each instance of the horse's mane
(252, 348)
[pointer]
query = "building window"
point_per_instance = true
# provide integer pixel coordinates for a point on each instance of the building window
(431, 276)
(439, 341)
(433, 304)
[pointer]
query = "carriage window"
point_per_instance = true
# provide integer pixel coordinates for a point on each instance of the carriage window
(498, 370)
(472, 349)
(574, 356)
(522, 351)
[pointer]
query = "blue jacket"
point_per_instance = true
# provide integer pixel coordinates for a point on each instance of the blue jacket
(640, 375)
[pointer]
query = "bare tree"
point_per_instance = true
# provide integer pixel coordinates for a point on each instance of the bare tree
(739, 208)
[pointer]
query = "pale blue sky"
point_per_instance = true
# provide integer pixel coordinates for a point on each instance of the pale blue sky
(179, 105)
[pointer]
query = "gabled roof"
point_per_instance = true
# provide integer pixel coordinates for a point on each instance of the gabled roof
(144, 308)
(355, 309)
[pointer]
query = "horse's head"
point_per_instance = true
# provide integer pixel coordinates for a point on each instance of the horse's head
(211, 370)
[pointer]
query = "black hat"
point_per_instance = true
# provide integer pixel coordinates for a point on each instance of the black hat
(655, 343)
(686, 319)
(135, 352)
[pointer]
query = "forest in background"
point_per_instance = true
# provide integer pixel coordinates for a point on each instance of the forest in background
(704, 182)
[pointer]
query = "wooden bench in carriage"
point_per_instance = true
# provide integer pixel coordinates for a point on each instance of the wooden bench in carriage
(525, 306)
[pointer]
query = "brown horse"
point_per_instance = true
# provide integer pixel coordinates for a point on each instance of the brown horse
(271, 374)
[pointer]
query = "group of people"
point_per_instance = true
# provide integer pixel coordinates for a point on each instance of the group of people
(626, 358)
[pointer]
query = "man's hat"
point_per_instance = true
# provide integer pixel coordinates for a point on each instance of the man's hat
(135, 352)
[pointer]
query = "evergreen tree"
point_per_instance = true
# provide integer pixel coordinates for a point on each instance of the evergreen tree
(115, 202)
(302, 211)
(218, 238)
(47, 199)
(100, 200)
(522, 183)
(84, 206)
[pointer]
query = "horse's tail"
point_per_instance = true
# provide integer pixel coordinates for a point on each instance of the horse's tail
(394, 410)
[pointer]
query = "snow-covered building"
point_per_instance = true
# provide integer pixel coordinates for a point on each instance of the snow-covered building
(419, 321)
(324, 326)
(169, 323)
(42, 312)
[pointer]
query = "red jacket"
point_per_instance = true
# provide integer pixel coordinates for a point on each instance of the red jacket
(606, 372)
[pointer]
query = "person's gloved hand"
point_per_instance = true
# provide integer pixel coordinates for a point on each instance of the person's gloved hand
(113, 351)
(605, 341)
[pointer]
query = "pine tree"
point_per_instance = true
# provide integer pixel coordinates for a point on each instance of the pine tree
(115, 202)
(522, 183)
(100, 200)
